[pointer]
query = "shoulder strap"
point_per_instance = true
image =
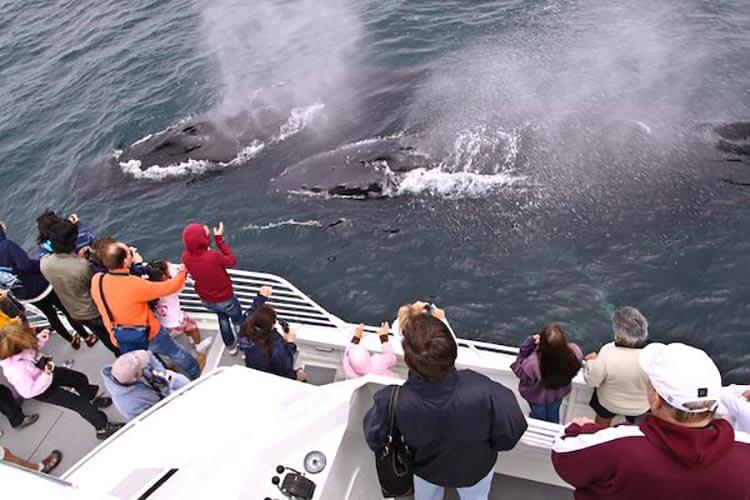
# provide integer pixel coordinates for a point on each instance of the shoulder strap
(392, 411)
(104, 299)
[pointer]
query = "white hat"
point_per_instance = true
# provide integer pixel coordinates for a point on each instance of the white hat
(681, 374)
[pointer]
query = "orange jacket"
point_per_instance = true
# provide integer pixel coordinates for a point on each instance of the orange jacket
(128, 297)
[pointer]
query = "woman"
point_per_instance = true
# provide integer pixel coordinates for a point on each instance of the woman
(35, 290)
(408, 312)
(265, 349)
(36, 376)
(545, 366)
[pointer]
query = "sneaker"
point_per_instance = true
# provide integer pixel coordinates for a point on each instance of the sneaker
(28, 420)
(52, 461)
(101, 402)
(204, 345)
(91, 340)
(110, 429)
(75, 342)
(234, 349)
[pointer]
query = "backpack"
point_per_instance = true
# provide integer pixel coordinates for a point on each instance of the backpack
(8, 279)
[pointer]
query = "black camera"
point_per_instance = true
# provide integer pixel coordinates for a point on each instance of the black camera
(41, 363)
(284, 325)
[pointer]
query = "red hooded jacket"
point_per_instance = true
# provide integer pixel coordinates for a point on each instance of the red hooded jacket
(207, 266)
(656, 460)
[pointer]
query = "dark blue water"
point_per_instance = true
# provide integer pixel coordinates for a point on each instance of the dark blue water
(577, 171)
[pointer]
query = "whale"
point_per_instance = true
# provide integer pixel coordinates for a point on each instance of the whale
(365, 169)
(734, 138)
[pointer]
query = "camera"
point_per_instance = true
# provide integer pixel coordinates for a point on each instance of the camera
(41, 363)
(284, 325)
(159, 380)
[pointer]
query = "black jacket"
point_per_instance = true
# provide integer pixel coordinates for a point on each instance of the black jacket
(455, 427)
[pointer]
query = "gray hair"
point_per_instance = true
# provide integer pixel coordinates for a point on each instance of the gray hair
(630, 327)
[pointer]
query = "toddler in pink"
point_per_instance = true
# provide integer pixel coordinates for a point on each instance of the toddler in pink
(358, 361)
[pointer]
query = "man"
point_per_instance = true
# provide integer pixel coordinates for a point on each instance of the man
(70, 277)
(678, 451)
(128, 297)
(137, 381)
(455, 422)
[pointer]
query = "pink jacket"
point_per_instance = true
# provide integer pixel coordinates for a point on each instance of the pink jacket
(358, 361)
(20, 370)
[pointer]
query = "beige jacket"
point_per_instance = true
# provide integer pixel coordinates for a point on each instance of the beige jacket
(619, 380)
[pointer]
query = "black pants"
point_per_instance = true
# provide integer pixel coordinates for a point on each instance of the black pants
(56, 395)
(9, 407)
(48, 305)
(96, 325)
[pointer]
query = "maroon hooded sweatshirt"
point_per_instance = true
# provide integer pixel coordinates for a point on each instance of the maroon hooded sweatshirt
(656, 460)
(207, 266)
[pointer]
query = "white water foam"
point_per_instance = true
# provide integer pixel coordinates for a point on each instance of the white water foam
(438, 182)
(274, 225)
(299, 119)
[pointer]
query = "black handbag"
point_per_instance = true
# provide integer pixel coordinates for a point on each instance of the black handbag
(394, 461)
(129, 337)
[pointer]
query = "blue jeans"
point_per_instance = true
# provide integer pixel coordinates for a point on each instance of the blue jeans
(425, 490)
(229, 309)
(549, 412)
(165, 345)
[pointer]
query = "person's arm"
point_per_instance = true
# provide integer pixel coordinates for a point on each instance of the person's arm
(387, 359)
(594, 371)
(525, 367)
(21, 260)
(376, 423)
(508, 422)
(151, 290)
(282, 360)
(259, 301)
(28, 380)
(587, 453)
(226, 255)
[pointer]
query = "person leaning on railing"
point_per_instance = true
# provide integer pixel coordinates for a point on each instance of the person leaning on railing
(454, 421)
(679, 451)
(618, 380)
(358, 361)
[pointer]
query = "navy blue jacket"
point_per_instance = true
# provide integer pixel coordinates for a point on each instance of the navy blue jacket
(15, 258)
(455, 427)
(281, 361)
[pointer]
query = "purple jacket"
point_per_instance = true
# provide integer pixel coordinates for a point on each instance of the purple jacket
(526, 367)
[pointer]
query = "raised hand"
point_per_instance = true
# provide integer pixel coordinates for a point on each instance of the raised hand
(219, 231)
(265, 291)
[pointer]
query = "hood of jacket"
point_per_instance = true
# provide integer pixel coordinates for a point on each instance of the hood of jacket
(694, 447)
(195, 238)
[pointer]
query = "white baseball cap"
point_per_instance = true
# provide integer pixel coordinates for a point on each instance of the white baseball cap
(681, 374)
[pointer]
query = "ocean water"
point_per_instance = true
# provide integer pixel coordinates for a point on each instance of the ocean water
(576, 170)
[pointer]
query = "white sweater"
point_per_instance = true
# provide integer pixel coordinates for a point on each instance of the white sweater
(736, 407)
(619, 380)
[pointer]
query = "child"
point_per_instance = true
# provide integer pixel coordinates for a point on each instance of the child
(358, 361)
(208, 268)
(170, 314)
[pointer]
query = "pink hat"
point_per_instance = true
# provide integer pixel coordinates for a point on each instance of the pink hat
(359, 359)
(127, 368)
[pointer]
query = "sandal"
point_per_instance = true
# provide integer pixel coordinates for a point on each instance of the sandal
(52, 461)
(91, 340)
(75, 342)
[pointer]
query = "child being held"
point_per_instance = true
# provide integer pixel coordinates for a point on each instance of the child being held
(170, 314)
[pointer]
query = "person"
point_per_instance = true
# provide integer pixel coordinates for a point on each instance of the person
(127, 298)
(70, 277)
(12, 410)
(46, 466)
(679, 450)
(454, 421)
(614, 373)
(735, 404)
(34, 289)
(265, 349)
(84, 240)
(545, 366)
(358, 361)
(170, 314)
(34, 375)
(11, 309)
(208, 268)
(408, 311)
(137, 381)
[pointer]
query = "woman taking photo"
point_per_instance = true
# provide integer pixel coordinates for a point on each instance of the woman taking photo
(545, 366)
(34, 375)
(264, 347)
